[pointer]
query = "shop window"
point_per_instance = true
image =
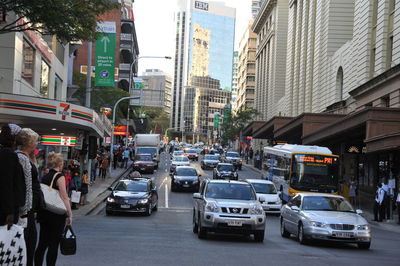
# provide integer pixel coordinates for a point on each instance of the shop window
(28, 62)
(44, 79)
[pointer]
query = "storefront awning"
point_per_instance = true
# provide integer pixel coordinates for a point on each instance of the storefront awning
(252, 127)
(266, 131)
(306, 123)
(53, 117)
(381, 128)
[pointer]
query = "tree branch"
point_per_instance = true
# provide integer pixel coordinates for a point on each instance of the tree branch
(12, 23)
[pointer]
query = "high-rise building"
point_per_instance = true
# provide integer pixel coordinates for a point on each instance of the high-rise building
(204, 48)
(255, 7)
(157, 87)
(235, 78)
(246, 69)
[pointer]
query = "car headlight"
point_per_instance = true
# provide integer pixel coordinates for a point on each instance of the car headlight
(143, 201)
(363, 227)
(110, 199)
(317, 224)
(256, 210)
(211, 207)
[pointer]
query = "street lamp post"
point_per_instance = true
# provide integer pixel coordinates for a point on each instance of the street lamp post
(113, 124)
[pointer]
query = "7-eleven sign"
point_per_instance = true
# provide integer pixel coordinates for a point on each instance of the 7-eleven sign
(58, 140)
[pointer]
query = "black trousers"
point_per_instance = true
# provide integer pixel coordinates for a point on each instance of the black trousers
(398, 211)
(49, 239)
(30, 234)
(377, 212)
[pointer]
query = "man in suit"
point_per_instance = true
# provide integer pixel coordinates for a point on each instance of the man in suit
(379, 210)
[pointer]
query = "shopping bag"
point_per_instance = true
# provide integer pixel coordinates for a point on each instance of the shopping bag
(75, 196)
(52, 198)
(12, 246)
(68, 241)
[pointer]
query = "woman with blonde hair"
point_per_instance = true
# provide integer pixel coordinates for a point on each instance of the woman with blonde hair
(51, 224)
(27, 140)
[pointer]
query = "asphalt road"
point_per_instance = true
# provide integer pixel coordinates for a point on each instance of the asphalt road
(166, 238)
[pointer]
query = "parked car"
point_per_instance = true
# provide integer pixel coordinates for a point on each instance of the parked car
(224, 206)
(209, 161)
(191, 154)
(179, 161)
(144, 163)
(233, 158)
(225, 171)
(133, 195)
(326, 217)
(185, 177)
(267, 190)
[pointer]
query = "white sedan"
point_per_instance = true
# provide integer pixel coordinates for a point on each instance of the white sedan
(179, 161)
(267, 190)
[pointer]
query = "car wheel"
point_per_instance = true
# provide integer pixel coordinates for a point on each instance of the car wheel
(148, 211)
(173, 188)
(155, 208)
(108, 213)
(259, 236)
(284, 233)
(195, 226)
(201, 231)
(364, 245)
(300, 235)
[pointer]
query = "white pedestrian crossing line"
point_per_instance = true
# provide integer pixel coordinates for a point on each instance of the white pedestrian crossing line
(166, 196)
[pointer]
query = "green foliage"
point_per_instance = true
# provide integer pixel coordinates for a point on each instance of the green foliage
(69, 20)
(238, 123)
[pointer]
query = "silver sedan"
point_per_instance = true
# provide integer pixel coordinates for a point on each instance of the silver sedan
(317, 216)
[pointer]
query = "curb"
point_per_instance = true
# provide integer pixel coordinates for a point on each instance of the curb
(101, 197)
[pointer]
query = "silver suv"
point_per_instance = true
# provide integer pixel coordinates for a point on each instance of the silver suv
(224, 206)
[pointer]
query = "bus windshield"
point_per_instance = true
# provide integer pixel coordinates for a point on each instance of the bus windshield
(315, 173)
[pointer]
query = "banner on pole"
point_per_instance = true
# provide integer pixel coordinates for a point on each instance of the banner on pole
(105, 54)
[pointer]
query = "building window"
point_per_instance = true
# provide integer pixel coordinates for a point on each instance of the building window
(373, 37)
(389, 48)
(339, 83)
(57, 87)
(385, 101)
(28, 62)
(44, 79)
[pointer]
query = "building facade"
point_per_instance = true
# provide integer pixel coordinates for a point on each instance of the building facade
(246, 69)
(271, 27)
(204, 48)
(235, 79)
(157, 87)
(127, 49)
(255, 7)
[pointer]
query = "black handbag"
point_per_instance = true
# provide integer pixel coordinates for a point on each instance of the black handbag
(68, 241)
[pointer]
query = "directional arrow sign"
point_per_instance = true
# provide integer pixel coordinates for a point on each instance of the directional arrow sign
(105, 55)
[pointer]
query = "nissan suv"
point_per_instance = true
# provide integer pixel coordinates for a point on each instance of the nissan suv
(234, 158)
(224, 206)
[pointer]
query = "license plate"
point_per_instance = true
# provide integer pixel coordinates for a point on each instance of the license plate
(185, 185)
(142, 168)
(266, 207)
(343, 234)
(234, 223)
(125, 206)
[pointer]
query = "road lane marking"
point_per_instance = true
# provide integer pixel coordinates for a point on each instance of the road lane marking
(166, 196)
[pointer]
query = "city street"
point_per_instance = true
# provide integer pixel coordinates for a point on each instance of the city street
(166, 238)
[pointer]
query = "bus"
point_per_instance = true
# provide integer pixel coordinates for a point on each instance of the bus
(301, 168)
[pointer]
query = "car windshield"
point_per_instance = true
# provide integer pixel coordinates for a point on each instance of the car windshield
(211, 157)
(232, 154)
(321, 203)
(132, 186)
(191, 151)
(263, 188)
(143, 157)
(147, 150)
(186, 172)
(181, 159)
(176, 153)
(233, 191)
(226, 167)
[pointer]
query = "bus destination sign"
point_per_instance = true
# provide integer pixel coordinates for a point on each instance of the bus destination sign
(315, 159)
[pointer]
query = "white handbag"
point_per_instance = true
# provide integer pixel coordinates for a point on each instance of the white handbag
(12, 246)
(75, 196)
(52, 198)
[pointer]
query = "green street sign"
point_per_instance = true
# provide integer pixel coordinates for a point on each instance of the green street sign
(105, 55)
(216, 119)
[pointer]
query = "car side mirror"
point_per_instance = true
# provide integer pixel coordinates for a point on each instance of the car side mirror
(295, 208)
(110, 189)
(197, 196)
(261, 199)
(359, 212)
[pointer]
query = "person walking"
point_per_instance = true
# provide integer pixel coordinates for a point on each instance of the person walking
(84, 186)
(125, 156)
(93, 169)
(379, 195)
(51, 224)
(104, 166)
(12, 183)
(398, 204)
(386, 200)
(27, 140)
(352, 192)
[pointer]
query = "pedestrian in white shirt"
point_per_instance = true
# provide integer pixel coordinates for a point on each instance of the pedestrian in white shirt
(386, 200)
(378, 206)
(398, 204)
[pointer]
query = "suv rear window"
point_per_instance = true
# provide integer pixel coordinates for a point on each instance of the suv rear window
(233, 191)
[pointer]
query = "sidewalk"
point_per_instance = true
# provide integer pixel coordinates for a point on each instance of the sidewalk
(99, 191)
(389, 225)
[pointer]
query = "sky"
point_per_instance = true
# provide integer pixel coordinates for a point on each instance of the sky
(155, 29)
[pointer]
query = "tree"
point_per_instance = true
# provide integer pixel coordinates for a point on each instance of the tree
(69, 20)
(238, 123)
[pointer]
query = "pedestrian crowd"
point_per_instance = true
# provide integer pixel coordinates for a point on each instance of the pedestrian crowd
(386, 201)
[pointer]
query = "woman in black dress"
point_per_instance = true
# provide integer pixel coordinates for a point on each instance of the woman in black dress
(51, 224)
